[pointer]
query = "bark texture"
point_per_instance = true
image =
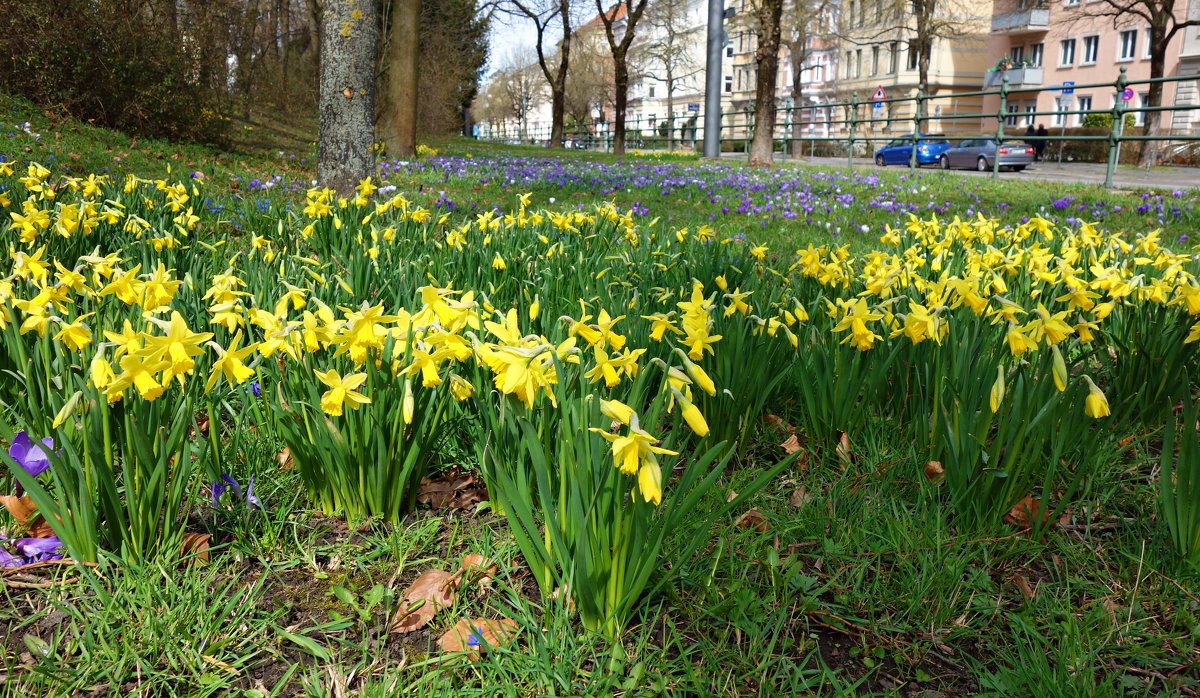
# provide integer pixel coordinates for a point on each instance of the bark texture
(346, 128)
(399, 118)
(766, 59)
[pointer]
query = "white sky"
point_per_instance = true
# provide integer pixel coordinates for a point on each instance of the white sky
(510, 35)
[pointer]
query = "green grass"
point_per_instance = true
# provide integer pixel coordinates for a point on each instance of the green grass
(862, 586)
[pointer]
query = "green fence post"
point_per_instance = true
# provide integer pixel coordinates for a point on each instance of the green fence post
(1114, 136)
(853, 121)
(1003, 111)
(912, 156)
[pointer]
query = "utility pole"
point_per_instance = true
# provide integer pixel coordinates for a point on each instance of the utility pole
(712, 79)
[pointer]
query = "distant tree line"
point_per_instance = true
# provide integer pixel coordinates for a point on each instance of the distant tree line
(179, 68)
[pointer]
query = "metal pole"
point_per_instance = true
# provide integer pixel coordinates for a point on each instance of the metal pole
(912, 156)
(853, 121)
(712, 79)
(1114, 138)
(1000, 115)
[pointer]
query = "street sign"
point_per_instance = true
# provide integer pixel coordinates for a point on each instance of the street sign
(1127, 94)
(1068, 87)
(879, 94)
(878, 106)
(694, 106)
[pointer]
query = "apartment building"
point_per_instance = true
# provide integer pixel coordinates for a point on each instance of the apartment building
(1052, 43)
(878, 52)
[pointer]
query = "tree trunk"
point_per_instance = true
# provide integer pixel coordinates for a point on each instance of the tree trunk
(399, 122)
(620, 100)
(796, 53)
(285, 53)
(346, 126)
(766, 59)
(1152, 122)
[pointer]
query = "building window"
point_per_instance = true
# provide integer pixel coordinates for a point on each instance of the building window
(858, 63)
(1085, 106)
(1072, 3)
(849, 64)
(650, 93)
(729, 83)
(1030, 108)
(1011, 119)
(1066, 52)
(1035, 55)
(1017, 54)
(913, 55)
(878, 11)
(1143, 100)
(874, 61)
(893, 57)
(1146, 51)
(1091, 49)
(1127, 45)
(729, 51)
(1060, 116)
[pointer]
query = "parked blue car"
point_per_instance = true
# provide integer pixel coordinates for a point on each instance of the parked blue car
(929, 148)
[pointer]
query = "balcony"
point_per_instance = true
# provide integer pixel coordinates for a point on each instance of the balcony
(1022, 21)
(1017, 78)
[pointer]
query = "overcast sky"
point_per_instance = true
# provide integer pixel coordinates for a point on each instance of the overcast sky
(509, 36)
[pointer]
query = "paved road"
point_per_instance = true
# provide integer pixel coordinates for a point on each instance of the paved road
(1090, 173)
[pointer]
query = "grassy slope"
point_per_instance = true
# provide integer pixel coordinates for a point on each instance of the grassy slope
(860, 585)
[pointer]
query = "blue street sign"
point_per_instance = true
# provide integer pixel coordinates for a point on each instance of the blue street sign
(1068, 87)
(1127, 94)
(693, 106)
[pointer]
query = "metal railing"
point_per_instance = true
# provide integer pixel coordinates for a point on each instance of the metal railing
(850, 128)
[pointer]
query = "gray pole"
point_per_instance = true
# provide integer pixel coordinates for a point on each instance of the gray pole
(712, 79)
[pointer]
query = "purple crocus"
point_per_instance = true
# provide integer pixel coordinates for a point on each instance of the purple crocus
(38, 549)
(30, 456)
(475, 638)
(226, 482)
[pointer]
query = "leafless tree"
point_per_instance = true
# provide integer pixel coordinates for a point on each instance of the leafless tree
(807, 27)
(667, 53)
(630, 11)
(549, 18)
(1165, 24)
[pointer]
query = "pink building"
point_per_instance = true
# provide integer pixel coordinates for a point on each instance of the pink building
(1052, 42)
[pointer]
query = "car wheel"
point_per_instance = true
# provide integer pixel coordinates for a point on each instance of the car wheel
(982, 164)
(1019, 168)
(880, 161)
(945, 161)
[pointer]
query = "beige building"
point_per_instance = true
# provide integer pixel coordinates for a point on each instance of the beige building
(1050, 44)
(878, 54)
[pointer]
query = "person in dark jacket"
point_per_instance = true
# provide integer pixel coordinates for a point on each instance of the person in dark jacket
(1040, 147)
(1029, 135)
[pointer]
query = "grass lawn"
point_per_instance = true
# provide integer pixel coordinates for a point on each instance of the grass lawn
(856, 573)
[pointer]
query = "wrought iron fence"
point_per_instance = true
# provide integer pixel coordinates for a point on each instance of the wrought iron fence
(856, 128)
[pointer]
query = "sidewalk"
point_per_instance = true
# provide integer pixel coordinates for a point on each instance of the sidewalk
(1125, 177)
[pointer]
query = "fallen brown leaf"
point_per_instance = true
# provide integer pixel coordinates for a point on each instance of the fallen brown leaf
(285, 459)
(753, 519)
(479, 568)
(451, 491)
(800, 496)
(430, 592)
(843, 449)
(1025, 512)
(20, 508)
(195, 547)
(791, 445)
(1023, 584)
(474, 635)
(934, 472)
(777, 422)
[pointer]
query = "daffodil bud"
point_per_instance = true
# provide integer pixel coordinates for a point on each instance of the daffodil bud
(409, 405)
(1058, 369)
(997, 394)
(616, 410)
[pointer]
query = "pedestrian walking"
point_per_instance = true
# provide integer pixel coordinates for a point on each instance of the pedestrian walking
(1042, 142)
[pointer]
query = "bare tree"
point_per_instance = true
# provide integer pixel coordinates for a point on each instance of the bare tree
(667, 54)
(346, 128)
(766, 16)
(516, 89)
(590, 80)
(631, 12)
(807, 25)
(398, 118)
(549, 17)
(1160, 15)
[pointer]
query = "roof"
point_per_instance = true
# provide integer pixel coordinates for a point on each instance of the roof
(617, 12)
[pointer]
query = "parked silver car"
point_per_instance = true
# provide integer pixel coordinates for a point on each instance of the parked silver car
(979, 153)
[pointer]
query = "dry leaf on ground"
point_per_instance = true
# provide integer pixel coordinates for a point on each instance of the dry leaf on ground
(753, 519)
(430, 592)
(800, 496)
(777, 422)
(285, 459)
(934, 472)
(1025, 512)
(474, 635)
(451, 491)
(791, 445)
(479, 568)
(21, 508)
(843, 449)
(195, 547)
(1023, 584)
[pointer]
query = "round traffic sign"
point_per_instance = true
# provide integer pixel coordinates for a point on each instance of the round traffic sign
(1127, 94)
